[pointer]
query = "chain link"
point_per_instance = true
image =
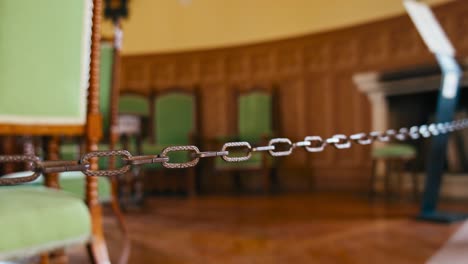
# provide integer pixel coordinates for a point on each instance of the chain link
(243, 151)
(187, 164)
(280, 141)
(35, 161)
(230, 145)
(99, 154)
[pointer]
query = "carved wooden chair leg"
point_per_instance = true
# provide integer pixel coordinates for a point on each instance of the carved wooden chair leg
(373, 179)
(237, 181)
(8, 148)
(44, 258)
(191, 183)
(51, 181)
(59, 257)
(388, 174)
(28, 149)
(274, 179)
(139, 175)
(97, 248)
(97, 252)
(399, 171)
(414, 175)
(52, 153)
(266, 180)
(125, 253)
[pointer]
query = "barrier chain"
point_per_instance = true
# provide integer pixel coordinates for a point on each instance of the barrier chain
(230, 152)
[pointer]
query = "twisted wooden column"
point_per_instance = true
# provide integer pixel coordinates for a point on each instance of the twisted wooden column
(97, 247)
(52, 179)
(113, 139)
(8, 149)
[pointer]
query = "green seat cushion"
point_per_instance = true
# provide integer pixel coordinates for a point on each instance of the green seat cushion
(134, 104)
(394, 151)
(72, 182)
(36, 219)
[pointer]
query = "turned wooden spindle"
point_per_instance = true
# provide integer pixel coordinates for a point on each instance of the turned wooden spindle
(97, 247)
(52, 179)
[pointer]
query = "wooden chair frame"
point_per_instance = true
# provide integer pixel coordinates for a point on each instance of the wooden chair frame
(92, 131)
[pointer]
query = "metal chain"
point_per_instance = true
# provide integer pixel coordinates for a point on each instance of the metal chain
(230, 152)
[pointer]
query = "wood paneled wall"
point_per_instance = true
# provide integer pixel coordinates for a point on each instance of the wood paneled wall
(314, 77)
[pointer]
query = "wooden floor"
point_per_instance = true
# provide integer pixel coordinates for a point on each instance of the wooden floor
(316, 228)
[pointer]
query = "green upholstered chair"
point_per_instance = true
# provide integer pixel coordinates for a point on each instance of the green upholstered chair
(254, 113)
(134, 112)
(174, 122)
(70, 182)
(48, 49)
(137, 108)
(394, 157)
(134, 104)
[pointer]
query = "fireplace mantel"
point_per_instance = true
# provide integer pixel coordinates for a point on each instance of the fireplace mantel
(379, 85)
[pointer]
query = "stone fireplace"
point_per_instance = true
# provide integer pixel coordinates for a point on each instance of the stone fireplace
(409, 97)
(379, 86)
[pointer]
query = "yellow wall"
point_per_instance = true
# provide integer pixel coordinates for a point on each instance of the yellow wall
(170, 25)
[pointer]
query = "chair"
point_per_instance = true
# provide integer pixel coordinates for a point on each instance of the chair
(72, 147)
(394, 157)
(108, 101)
(253, 115)
(174, 115)
(133, 115)
(44, 72)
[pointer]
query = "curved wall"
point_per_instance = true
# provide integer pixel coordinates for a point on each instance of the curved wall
(313, 77)
(169, 25)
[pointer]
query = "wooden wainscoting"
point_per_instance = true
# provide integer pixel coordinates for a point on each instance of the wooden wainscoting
(313, 74)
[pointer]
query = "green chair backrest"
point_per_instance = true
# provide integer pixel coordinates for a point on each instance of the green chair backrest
(254, 116)
(133, 104)
(174, 118)
(105, 83)
(44, 61)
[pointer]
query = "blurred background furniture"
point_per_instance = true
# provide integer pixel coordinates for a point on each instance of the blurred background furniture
(174, 117)
(132, 127)
(53, 58)
(254, 113)
(394, 158)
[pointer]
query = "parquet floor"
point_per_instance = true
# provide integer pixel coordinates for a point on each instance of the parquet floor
(315, 228)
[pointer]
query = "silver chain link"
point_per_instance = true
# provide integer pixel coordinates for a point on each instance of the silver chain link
(230, 152)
